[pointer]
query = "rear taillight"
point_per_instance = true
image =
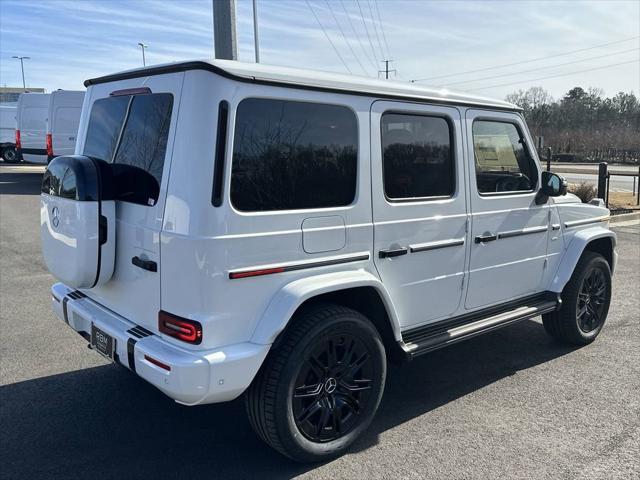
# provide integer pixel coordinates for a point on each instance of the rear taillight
(49, 144)
(183, 329)
(18, 144)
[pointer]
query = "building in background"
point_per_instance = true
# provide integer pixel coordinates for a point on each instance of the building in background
(11, 94)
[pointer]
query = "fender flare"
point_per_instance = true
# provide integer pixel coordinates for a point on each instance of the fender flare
(574, 251)
(284, 304)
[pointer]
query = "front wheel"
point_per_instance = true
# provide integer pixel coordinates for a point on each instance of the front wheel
(585, 302)
(321, 386)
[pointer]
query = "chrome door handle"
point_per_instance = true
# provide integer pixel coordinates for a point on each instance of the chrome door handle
(486, 237)
(395, 252)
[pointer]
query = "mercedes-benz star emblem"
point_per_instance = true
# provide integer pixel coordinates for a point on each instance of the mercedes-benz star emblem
(330, 385)
(54, 216)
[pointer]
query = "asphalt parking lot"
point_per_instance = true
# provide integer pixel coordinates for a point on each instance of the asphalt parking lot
(511, 404)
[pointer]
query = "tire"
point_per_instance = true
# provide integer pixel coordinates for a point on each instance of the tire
(585, 302)
(306, 405)
(9, 155)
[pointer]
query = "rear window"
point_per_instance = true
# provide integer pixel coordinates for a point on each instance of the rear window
(417, 157)
(293, 155)
(131, 133)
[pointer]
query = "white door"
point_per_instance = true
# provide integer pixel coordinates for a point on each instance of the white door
(131, 125)
(419, 208)
(508, 230)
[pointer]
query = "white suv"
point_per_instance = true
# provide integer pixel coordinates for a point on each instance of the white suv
(229, 228)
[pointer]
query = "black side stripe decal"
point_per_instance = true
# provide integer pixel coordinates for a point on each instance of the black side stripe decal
(64, 309)
(75, 295)
(132, 360)
(139, 332)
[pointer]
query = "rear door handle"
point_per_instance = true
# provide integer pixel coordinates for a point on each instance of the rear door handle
(486, 237)
(145, 264)
(396, 252)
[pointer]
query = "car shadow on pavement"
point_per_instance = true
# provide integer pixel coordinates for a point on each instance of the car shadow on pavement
(20, 183)
(104, 422)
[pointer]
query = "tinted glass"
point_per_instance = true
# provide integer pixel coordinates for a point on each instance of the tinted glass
(144, 139)
(417, 157)
(503, 163)
(293, 155)
(105, 123)
(131, 133)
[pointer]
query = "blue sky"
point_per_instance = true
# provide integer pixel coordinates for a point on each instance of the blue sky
(71, 40)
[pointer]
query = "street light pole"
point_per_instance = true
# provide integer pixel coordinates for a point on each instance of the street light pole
(143, 46)
(224, 29)
(24, 85)
(255, 30)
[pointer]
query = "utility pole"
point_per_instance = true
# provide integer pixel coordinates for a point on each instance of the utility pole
(24, 85)
(255, 30)
(386, 69)
(143, 46)
(224, 29)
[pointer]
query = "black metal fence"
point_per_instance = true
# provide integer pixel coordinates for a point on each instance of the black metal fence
(604, 177)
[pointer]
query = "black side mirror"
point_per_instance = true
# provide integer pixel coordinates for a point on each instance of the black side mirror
(551, 185)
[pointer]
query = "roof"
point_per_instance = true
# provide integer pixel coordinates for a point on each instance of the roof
(314, 80)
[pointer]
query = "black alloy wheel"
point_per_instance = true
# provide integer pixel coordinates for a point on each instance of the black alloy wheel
(332, 387)
(585, 302)
(592, 301)
(321, 384)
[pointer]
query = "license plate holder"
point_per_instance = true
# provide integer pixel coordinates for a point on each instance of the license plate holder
(102, 342)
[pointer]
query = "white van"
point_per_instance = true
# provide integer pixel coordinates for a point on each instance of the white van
(31, 127)
(8, 132)
(228, 228)
(63, 119)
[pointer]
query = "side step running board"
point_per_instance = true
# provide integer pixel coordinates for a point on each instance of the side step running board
(441, 334)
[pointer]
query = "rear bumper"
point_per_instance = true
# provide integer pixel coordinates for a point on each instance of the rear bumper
(196, 377)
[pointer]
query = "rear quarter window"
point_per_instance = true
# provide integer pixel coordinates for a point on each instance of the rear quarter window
(131, 132)
(290, 155)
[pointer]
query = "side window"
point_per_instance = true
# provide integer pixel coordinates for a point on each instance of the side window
(143, 143)
(293, 155)
(503, 163)
(130, 132)
(417, 156)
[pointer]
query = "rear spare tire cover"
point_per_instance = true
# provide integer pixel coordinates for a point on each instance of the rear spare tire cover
(77, 221)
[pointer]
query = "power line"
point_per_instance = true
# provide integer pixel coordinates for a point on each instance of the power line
(525, 61)
(328, 37)
(384, 37)
(555, 76)
(543, 68)
(346, 39)
(375, 28)
(355, 33)
(366, 30)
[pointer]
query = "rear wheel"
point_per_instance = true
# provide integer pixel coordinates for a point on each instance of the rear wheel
(321, 386)
(585, 302)
(9, 154)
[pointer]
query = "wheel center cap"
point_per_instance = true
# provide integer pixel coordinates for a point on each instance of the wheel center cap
(330, 385)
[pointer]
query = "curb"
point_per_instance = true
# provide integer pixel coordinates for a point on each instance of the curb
(625, 217)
